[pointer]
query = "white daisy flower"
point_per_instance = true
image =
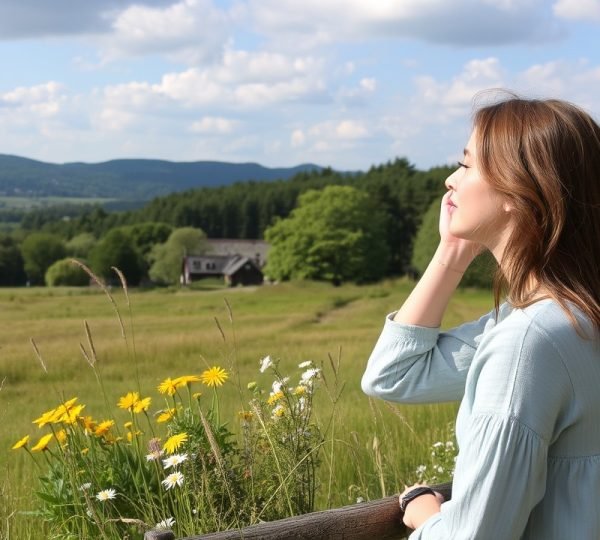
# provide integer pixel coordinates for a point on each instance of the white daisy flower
(166, 523)
(265, 363)
(306, 364)
(106, 494)
(174, 460)
(174, 479)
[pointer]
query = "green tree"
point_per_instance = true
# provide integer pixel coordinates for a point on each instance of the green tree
(80, 246)
(167, 258)
(117, 249)
(147, 235)
(12, 271)
(335, 234)
(64, 272)
(480, 272)
(39, 251)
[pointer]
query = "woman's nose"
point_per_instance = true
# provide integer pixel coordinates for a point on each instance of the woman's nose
(450, 182)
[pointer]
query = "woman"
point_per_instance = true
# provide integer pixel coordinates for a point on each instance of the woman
(528, 373)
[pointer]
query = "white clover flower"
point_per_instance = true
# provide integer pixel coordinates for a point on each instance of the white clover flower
(153, 456)
(265, 364)
(301, 406)
(360, 499)
(85, 487)
(106, 494)
(174, 479)
(166, 523)
(438, 444)
(439, 469)
(174, 460)
(421, 470)
(306, 364)
(310, 374)
(278, 385)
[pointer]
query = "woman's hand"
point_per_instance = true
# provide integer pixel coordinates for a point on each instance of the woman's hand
(458, 251)
(422, 508)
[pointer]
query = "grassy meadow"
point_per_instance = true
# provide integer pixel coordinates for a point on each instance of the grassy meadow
(372, 448)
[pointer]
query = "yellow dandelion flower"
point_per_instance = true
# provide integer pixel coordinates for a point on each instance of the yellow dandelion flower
(185, 380)
(84, 451)
(215, 376)
(278, 411)
(68, 416)
(46, 418)
(103, 427)
(61, 437)
(173, 443)
(88, 424)
(246, 416)
(142, 405)
(300, 390)
(129, 436)
(42, 444)
(168, 386)
(165, 415)
(21, 443)
(197, 395)
(128, 401)
(275, 397)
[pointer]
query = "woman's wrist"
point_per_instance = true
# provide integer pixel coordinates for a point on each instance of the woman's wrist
(455, 257)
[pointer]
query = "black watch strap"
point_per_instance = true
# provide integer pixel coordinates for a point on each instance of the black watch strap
(413, 494)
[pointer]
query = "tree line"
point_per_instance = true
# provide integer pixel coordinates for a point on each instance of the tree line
(391, 203)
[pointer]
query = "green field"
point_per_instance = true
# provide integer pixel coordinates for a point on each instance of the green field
(174, 332)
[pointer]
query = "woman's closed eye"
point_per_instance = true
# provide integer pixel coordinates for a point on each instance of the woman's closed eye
(461, 164)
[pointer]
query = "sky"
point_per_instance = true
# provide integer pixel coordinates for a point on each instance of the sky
(341, 83)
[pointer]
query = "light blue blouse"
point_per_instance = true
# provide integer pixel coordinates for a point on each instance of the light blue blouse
(528, 427)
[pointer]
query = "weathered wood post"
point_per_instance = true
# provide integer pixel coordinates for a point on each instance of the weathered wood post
(380, 519)
(159, 534)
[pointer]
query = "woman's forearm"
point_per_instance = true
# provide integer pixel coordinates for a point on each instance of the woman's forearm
(426, 304)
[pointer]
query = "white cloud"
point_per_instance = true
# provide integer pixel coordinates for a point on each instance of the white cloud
(297, 139)
(190, 31)
(214, 125)
(351, 129)
(461, 22)
(584, 10)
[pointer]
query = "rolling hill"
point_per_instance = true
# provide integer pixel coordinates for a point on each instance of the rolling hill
(126, 179)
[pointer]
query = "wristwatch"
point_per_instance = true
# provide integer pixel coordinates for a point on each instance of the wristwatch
(413, 494)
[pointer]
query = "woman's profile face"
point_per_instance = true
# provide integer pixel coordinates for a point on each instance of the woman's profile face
(477, 211)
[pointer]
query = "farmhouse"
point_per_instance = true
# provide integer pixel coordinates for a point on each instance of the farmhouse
(239, 262)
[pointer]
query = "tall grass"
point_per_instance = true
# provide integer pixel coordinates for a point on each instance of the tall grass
(372, 449)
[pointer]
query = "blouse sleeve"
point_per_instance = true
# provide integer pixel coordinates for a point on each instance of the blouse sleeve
(517, 399)
(416, 364)
(499, 477)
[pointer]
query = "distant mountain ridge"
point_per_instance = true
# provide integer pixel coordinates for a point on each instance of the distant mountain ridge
(127, 179)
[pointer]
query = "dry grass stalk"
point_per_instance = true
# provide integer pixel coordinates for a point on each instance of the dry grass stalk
(104, 288)
(220, 329)
(88, 334)
(39, 355)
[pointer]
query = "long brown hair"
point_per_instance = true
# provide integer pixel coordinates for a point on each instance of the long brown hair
(544, 157)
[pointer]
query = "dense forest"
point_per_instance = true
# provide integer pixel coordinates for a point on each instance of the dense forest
(400, 193)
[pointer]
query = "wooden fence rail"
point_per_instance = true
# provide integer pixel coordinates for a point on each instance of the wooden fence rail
(380, 519)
